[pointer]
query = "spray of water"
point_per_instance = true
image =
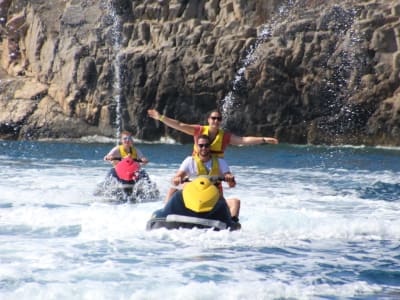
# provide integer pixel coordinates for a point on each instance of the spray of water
(346, 75)
(229, 103)
(116, 34)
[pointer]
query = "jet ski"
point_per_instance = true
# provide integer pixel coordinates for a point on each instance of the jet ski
(198, 205)
(127, 182)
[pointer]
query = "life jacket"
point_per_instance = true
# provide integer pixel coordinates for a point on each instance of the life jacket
(201, 168)
(132, 153)
(219, 143)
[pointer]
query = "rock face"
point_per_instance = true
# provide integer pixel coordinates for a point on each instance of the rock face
(305, 72)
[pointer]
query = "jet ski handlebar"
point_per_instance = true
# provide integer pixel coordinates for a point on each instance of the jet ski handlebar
(120, 158)
(214, 179)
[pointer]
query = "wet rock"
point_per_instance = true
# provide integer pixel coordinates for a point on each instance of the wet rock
(308, 73)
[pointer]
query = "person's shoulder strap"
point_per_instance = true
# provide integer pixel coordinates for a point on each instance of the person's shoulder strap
(133, 153)
(214, 166)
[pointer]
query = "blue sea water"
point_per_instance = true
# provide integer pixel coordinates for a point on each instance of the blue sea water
(317, 223)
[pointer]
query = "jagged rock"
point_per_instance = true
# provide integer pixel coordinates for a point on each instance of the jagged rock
(312, 72)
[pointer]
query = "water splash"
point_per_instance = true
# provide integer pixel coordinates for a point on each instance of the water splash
(229, 103)
(347, 73)
(116, 36)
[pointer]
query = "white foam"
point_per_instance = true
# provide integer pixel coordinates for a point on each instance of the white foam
(59, 241)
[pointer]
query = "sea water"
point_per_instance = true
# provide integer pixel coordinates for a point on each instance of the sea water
(317, 223)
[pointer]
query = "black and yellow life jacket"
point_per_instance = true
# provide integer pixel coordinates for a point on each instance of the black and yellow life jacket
(132, 153)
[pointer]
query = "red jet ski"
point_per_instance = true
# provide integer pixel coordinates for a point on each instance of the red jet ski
(128, 182)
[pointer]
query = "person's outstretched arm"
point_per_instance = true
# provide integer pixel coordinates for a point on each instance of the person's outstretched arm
(186, 128)
(252, 140)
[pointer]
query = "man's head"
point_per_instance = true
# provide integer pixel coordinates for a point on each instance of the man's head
(126, 138)
(203, 146)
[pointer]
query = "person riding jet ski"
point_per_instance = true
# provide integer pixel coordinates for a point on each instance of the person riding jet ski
(199, 205)
(203, 163)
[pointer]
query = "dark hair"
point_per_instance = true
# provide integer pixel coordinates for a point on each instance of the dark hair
(214, 111)
(203, 136)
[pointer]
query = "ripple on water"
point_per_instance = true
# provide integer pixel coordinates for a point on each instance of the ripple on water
(6, 205)
(381, 191)
(381, 277)
(41, 232)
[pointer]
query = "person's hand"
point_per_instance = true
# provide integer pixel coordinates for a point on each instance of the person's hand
(144, 160)
(153, 114)
(177, 180)
(230, 179)
(270, 140)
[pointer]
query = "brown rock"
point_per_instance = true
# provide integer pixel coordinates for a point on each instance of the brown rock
(320, 72)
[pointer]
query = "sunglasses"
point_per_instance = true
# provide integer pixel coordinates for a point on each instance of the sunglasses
(216, 118)
(203, 145)
(127, 138)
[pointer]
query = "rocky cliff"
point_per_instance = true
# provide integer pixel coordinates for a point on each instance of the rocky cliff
(304, 71)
